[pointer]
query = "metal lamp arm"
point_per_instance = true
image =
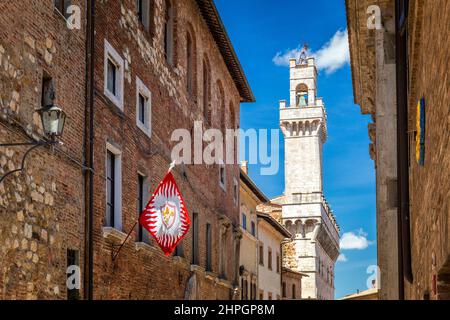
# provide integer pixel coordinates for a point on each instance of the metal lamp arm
(34, 145)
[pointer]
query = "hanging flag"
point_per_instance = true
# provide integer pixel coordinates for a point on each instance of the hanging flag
(166, 217)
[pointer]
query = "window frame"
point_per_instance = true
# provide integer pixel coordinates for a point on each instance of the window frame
(208, 247)
(253, 228)
(169, 33)
(261, 254)
(244, 221)
(142, 200)
(117, 215)
(195, 260)
(61, 6)
(111, 55)
(223, 182)
(269, 259)
(142, 90)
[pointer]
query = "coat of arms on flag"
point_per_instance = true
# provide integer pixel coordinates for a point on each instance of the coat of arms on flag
(166, 217)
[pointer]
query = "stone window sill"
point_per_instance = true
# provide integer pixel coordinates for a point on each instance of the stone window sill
(113, 235)
(180, 260)
(211, 275)
(144, 247)
(197, 269)
(225, 283)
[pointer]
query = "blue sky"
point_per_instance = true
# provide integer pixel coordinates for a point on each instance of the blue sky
(259, 29)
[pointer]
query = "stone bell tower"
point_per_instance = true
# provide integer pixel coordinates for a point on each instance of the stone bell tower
(305, 212)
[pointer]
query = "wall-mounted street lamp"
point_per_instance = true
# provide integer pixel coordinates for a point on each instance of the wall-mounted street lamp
(53, 121)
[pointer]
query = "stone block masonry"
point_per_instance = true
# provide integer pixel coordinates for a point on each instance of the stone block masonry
(41, 210)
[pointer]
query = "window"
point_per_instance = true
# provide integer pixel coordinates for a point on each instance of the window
(222, 176)
(293, 292)
(261, 295)
(284, 290)
(208, 248)
(235, 192)
(48, 91)
(113, 188)
(194, 255)
(143, 12)
(269, 296)
(168, 33)
(73, 263)
(254, 291)
(61, 6)
(269, 259)
(190, 64)
(253, 229)
(261, 254)
(179, 250)
(143, 107)
(221, 107)
(142, 198)
(244, 221)
(114, 75)
(278, 263)
(206, 91)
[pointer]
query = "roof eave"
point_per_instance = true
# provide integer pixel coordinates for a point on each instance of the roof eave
(220, 35)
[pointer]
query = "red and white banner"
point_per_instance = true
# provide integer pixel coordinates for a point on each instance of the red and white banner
(166, 217)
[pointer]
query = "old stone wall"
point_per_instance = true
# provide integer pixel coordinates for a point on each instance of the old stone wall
(429, 52)
(41, 209)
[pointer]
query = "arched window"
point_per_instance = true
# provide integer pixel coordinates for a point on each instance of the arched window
(301, 95)
(169, 33)
(221, 110)
(232, 125)
(206, 91)
(191, 52)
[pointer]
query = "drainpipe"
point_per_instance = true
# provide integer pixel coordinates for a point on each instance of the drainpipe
(89, 153)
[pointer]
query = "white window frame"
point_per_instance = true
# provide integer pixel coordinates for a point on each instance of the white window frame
(142, 90)
(224, 182)
(112, 55)
(117, 184)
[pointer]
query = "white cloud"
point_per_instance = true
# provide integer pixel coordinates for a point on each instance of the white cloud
(342, 258)
(353, 241)
(332, 56)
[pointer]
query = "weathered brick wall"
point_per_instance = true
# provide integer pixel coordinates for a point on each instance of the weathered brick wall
(147, 274)
(41, 210)
(430, 185)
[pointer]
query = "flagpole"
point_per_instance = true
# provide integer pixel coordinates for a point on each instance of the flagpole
(171, 167)
(123, 243)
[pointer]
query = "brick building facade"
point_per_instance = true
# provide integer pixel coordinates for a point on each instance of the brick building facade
(155, 66)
